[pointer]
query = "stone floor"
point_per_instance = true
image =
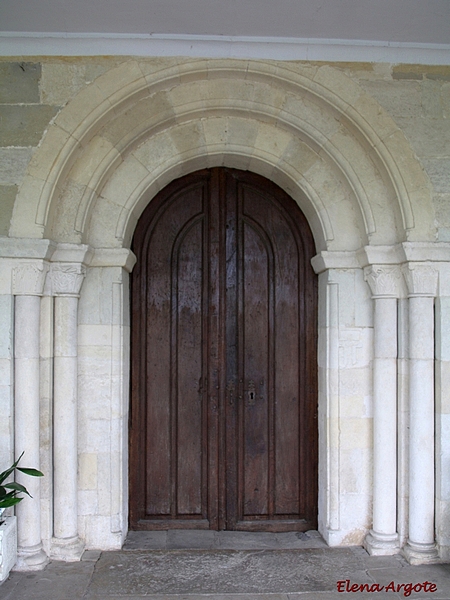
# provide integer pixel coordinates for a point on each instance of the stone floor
(208, 565)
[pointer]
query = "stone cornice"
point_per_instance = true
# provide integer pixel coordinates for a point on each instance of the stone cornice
(73, 253)
(334, 260)
(113, 257)
(426, 251)
(27, 248)
(380, 255)
(397, 254)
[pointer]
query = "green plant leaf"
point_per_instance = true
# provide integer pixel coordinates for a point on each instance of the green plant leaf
(31, 472)
(9, 495)
(6, 503)
(17, 487)
(8, 472)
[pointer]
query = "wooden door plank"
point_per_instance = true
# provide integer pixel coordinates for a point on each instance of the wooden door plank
(223, 425)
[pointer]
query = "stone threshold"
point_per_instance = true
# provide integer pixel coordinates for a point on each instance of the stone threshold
(194, 539)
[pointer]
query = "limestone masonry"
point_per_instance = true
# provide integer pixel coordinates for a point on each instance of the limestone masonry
(364, 149)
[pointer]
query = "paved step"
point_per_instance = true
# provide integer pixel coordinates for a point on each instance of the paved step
(203, 573)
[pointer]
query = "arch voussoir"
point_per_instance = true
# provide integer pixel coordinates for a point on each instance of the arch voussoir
(278, 118)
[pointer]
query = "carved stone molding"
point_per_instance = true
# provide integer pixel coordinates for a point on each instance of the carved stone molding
(65, 279)
(421, 279)
(384, 280)
(29, 278)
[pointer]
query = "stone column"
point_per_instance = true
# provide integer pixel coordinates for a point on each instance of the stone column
(65, 283)
(421, 280)
(28, 282)
(384, 283)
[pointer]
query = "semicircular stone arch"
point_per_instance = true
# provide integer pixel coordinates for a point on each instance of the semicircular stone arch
(309, 128)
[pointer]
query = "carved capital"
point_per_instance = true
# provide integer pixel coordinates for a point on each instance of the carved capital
(421, 279)
(65, 279)
(29, 278)
(384, 280)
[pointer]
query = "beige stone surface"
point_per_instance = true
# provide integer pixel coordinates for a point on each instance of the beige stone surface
(128, 77)
(62, 79)
(42, 161)
(147, 113)
(343, 89)
(88, 471)
(60, 82)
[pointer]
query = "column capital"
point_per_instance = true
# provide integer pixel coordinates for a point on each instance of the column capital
(384, 280)
(65, 279)
(28, 278)
(421, 279)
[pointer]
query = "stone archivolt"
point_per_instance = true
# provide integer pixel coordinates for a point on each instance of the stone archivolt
(309, 128)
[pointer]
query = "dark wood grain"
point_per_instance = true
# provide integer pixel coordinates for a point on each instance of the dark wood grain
(223, 425)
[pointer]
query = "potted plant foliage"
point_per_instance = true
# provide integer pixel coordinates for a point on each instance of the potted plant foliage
(8, 529)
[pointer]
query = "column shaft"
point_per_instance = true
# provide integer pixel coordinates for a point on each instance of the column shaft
(383, 539)
(65, 418)
(26, 381)
(421, 547)
(66, 544)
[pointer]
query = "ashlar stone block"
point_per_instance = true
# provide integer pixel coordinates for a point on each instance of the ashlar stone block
(272, 140)
(19, 82)
(60, 82)
(23, 125)
(13, 165)
(399, 98)
(355, 433)
(145, 114)
(310, 117)
(88, 471)
(345, 90)
(355, 472)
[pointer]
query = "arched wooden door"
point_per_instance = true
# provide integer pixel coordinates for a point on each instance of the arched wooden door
(223, 429)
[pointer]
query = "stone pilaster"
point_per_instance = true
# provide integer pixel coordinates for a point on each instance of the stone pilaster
(421, 279)
(384, 282)
(28, 283)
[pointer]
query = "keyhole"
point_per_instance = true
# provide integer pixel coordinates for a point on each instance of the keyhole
(252, 395)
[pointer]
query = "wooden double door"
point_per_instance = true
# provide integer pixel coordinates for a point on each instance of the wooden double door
(223, 429)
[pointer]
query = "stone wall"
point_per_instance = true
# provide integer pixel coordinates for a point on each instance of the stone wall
(32, 91)
(417, 98)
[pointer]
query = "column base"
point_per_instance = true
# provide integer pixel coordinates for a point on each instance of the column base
(381, 544)
(421, 554)
(67, 549)
(31, 558)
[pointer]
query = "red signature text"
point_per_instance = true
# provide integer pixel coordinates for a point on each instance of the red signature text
(405, 588)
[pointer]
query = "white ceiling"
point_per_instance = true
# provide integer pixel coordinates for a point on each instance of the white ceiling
(416, 21)
(390, 22)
